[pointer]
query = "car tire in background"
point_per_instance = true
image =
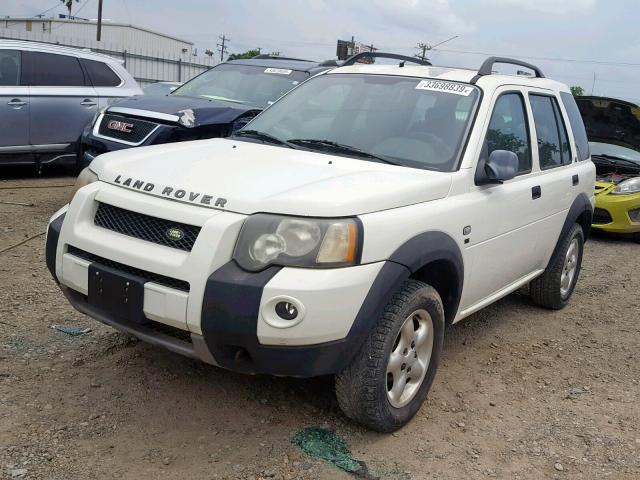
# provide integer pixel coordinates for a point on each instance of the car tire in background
(406, 340)
(554, 287)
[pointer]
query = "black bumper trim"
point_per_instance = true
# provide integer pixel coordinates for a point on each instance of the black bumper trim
(153, 336)
(53, 235)
(230, 312)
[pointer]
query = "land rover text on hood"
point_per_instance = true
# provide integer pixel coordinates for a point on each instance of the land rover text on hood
(342, 230)
(213, 104)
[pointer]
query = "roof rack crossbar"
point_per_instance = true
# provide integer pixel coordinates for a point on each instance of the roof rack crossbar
(404, 58)
(487, 67)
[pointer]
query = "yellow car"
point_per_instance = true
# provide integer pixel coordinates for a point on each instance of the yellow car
(613, 130)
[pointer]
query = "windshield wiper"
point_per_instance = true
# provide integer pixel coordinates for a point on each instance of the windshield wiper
(329, 145)
(265, 137)
(619, 160)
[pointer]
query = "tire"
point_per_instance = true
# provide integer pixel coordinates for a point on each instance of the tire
(362, 388)
(548, 290)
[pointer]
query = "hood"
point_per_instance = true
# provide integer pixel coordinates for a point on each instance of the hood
(203, 111)
(609, 120)
(248, 178)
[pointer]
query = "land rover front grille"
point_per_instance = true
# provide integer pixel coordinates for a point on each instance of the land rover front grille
(148, 276)
(145, 227)
(601, 216)
(126, 129)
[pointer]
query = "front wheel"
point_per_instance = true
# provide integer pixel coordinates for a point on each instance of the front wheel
(390, 377)
(555, 286)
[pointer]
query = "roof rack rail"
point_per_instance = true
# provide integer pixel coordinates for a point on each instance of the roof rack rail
(278, 57)
(404, 58)
(487, 67)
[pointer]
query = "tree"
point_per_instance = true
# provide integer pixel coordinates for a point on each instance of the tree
(244, 56)
(69, 4)
(577, 91)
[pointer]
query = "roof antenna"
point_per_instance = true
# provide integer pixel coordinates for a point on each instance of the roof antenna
(401, 64)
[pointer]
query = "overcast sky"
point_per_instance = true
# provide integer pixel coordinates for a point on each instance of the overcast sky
(569, 39)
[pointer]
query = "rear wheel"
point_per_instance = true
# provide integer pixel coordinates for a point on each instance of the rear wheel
(554, 287)
(390, 377)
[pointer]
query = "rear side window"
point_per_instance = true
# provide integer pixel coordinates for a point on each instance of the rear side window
(51, 70)
(509, 129)
(101, 74)
(553, 141)
(9, 67)
(577, 125)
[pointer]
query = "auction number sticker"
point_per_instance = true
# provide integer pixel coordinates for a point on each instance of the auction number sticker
(279, 71)
(447, 87)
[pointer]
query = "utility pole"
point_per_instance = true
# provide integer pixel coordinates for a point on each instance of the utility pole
(223, 48)
(99, 32)
(593, 87)
(423, 48)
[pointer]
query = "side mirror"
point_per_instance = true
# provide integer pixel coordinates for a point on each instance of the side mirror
(502, 165)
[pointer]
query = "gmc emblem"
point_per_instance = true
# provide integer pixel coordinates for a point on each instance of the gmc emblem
(120, 126)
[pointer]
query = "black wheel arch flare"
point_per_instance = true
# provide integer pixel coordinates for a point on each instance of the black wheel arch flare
(231, 310)
(581, 212)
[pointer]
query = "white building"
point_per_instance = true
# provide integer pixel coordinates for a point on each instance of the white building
(148, 55)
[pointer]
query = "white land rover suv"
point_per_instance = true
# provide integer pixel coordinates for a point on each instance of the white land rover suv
(341, 230)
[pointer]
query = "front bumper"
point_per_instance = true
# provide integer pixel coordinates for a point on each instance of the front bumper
(92, 145)
(614, 213)
(224, 317)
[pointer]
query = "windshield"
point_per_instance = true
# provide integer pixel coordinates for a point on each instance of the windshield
(403, 120)
(247, 84)
(160, 88)
(617, 151)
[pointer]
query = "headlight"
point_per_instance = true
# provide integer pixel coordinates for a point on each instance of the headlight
(631, 185)
(297, 242)
(85, 178)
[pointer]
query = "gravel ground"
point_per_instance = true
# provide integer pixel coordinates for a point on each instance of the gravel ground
(522, 393)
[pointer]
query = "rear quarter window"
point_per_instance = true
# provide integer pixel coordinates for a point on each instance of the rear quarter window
(100, 74)
(577, 125)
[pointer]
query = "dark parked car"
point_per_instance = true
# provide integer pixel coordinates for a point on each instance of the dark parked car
(213, 104)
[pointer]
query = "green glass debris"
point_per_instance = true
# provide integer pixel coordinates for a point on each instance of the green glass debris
(325, 444)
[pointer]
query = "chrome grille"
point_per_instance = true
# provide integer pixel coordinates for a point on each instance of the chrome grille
(138, 129)
(145, 227)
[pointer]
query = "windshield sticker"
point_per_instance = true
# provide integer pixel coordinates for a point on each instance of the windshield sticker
(447, 87)
(279, 71)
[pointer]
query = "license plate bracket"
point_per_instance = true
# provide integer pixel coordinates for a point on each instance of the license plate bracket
(116, 293)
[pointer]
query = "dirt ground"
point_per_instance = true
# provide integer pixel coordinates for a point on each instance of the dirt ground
(522, 393)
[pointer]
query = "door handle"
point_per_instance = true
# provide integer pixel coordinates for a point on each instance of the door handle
(536, 192)
(575, 180)
(88, 103)
(16, 102)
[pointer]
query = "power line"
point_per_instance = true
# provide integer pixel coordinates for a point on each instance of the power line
(222, 46)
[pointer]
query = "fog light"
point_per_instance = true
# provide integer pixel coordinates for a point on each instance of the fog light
(283, 311)
(286, 310)
(634, 215)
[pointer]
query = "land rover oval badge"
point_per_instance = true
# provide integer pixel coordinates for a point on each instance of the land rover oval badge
(174, 234)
